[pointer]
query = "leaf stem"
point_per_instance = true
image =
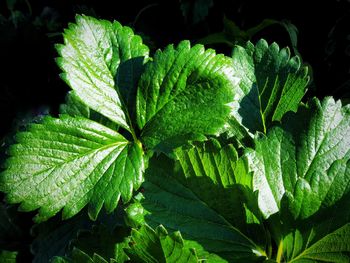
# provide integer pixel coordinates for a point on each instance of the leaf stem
(279, 252)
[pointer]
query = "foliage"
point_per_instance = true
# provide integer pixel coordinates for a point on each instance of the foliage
(208, 157)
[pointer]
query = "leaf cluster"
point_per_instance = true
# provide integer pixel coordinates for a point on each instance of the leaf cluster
(182, 156)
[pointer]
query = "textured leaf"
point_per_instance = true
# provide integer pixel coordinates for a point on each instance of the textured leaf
(148, 245)
(69, 162)
(301, 166)
(177, 89)
(271, 84)
(334, 247)
(216, 176)
(91, 58)
(169, 199)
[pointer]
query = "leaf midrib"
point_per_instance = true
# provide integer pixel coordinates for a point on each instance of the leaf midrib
(54, 167)
(228, 224)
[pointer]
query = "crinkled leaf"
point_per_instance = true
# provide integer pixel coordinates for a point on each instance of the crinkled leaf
(94, 53)
(148, 245)
(176, 91)
(68, 163)
(271, 84)
(169, 199)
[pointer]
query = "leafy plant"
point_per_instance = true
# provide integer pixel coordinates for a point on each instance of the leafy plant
(206, 157)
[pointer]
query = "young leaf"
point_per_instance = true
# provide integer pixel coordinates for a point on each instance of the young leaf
(148, 245)
(69, 162)
(93, 52)
(301, 161)
(271, 84)
(176, 92)
(168, 200)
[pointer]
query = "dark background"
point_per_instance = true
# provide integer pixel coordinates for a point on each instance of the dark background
(29, 81)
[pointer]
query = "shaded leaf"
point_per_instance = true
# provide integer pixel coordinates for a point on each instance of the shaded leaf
(148, 245)
(168, 200)
(271, 84)
(79, 256)
(53, 237)
(216, 176)
(334, 247)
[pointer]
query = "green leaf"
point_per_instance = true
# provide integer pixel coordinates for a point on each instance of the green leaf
(68, 163)
(216, 176)
(92, 56)
(177, 89)
(101, 241)
(55, 237)
(301, 165)
(148, 245)
(173, 201)
(271, 84)
(8, 256)
(75, 107)
(334, 247)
